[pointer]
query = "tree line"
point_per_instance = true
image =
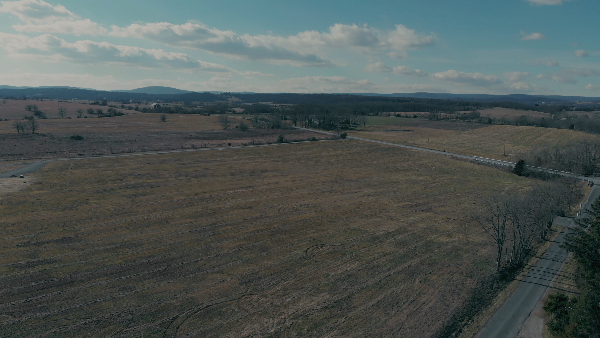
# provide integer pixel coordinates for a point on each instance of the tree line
(579, 157)
(579, 316)
(518, 221)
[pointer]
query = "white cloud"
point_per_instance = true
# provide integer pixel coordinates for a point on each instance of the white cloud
(516, 76)
(532, 36)
(324, 84)
(582, 53)
(378, 67)
(250, 74)
(570, 75)
(36, 11)
(405, 71)
(302, 49)
(361, 39)
(523, 87)
(540, 62)
(51, 48)
(547, 2)
(200, 36)
(74, 27)
(592, 87)
(476, 79)
(42, 17)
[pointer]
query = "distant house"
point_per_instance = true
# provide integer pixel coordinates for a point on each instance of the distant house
(155, 106)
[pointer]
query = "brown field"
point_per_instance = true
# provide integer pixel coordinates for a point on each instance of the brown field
(323, 239)
(511, 114)
(129, 134)
(481, 140)
(15, 109)
(495, 113)
(594, 114)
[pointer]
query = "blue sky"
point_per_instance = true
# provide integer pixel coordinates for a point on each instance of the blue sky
(459, 46)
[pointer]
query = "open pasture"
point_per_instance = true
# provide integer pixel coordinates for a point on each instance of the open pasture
(335, 238)
(16, 109)
(511, 114)
(130, 134)
(482, 140)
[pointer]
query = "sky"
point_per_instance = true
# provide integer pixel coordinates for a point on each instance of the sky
(548, 47)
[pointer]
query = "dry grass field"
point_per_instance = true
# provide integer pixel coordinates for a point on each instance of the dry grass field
(15, 109)
(129, 134)
(479, 140)
(511, 114)
(321, 239)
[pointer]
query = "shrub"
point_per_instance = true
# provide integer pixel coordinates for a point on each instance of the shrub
(77, 137)
(243, 126)
(281, 139)
(343, 135)
(558, 307)
(519, 168)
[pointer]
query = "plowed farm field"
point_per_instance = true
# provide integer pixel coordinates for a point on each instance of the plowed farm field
(503, 142)
(323, 239)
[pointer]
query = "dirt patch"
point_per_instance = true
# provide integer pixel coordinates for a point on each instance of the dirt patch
(14, 184)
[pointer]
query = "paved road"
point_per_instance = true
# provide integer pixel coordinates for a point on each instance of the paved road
(28, 169)
(507, 321)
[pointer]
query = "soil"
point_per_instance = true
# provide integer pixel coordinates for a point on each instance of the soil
(8, 185)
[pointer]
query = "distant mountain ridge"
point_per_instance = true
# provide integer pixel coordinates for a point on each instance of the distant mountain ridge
(12, 87)
(522, 98)
(156, 90)
(168, 94)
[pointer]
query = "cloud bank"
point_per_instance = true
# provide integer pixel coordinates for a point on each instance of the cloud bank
(52, 48)
(42, 17)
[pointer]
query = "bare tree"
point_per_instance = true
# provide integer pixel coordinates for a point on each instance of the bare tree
(224, 121)
(20, 127)
(493, 218)
(518, 220)
(62, 112)
(31, 124)
(79, 113)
